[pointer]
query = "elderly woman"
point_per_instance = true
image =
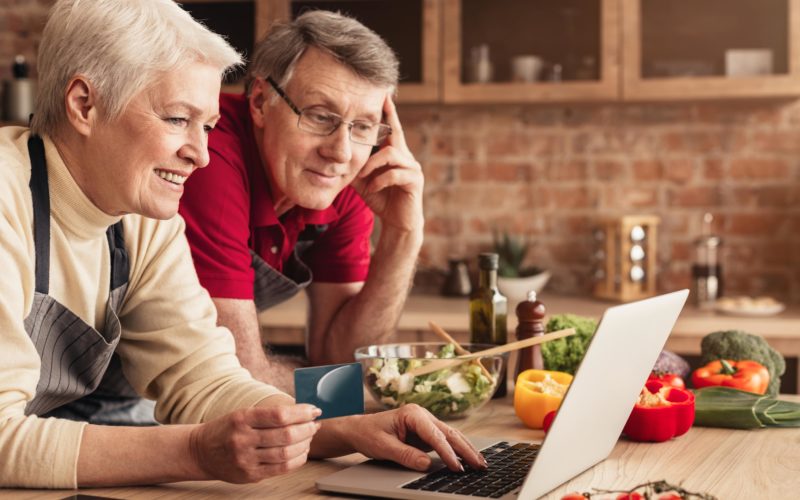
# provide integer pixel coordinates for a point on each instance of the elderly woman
(98, 276)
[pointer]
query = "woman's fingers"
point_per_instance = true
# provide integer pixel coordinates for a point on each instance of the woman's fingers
(251, 444)
(285, 436)
(462, 446)
(423, 424)
(280, 416)
(265, 470)
(281, 454)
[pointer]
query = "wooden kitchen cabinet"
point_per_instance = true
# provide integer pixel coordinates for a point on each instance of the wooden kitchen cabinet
(241, 22)
(578, 41)
(410, 27)
(607, 50)
(676, 50)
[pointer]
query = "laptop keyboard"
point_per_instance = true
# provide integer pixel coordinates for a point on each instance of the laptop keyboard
(508, 467)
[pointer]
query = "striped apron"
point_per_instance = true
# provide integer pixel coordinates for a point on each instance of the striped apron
(271, 287)
(81, 377)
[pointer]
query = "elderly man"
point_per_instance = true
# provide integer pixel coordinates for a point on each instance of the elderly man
(289, 197)
(99, 301)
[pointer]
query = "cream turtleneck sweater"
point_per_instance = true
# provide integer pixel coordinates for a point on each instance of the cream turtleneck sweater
(171, 348)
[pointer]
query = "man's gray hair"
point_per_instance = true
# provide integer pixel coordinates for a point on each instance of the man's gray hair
(346, 39)
(122, 47)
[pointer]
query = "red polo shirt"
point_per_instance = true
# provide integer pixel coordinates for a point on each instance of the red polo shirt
(229, 211)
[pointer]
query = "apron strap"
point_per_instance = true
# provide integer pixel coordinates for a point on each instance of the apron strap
(120, 266)
(41, 212)
(40, 193)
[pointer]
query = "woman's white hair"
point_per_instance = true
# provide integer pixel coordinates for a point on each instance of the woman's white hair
(122, 47)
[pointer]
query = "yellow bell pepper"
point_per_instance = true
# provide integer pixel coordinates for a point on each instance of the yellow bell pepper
(538, 392)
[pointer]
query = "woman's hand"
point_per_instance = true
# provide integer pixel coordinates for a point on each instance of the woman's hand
(251, 444)
(404, 435)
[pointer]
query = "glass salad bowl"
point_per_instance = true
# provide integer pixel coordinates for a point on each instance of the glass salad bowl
(447, 393)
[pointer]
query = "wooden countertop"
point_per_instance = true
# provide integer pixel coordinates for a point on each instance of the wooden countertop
(726, 463)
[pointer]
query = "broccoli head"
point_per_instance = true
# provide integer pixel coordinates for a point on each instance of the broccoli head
(739, 345)
(565, 354)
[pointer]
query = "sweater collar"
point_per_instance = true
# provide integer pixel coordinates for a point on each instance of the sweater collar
(69, 205)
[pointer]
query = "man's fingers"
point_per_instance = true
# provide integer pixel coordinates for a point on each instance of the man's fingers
(281, 416)
(392, 177)
(397, 137)
(389, 157)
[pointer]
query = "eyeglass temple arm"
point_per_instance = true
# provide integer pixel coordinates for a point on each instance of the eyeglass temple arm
(283, 95)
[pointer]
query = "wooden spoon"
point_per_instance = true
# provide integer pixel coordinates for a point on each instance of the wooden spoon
(438, 364)
(438, 330)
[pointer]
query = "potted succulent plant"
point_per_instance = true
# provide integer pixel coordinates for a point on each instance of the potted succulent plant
(514, 279)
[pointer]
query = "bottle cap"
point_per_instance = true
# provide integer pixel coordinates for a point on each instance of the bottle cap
(20, 68)
(707, 238)
(532, 296)
(488, 261)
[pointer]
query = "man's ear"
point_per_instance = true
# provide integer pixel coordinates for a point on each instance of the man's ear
(81, 104)
(258, 97)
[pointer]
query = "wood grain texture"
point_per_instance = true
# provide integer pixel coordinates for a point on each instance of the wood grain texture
(731, 464)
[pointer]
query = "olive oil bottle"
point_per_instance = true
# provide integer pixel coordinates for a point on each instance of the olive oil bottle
(488, 309)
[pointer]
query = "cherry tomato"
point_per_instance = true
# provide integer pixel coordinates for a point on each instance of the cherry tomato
(630, 496)
(548, 420)
(671, 379)
(574, 496)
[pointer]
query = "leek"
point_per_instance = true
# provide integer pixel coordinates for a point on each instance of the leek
(727, 407)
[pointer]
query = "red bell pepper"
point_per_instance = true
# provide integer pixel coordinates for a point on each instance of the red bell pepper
(661, 413)
(746, 375)
(672, 379)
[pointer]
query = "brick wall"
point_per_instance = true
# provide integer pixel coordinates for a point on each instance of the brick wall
(21, 23)
(547, 172)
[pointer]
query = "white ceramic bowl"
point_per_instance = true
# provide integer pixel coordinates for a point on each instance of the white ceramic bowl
(516, 289)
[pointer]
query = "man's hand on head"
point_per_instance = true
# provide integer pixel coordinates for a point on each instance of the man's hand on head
(391, 181)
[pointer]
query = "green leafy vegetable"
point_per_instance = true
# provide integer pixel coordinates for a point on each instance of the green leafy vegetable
(565, 354)
(738, 345)
(727, 407)
(446, 392)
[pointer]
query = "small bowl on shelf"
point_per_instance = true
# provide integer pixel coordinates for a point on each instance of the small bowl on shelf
(447, 393)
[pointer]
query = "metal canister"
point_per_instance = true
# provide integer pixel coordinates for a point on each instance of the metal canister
(707, 269)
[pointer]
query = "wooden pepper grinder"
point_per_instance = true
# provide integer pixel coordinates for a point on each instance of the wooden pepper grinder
(530, 323)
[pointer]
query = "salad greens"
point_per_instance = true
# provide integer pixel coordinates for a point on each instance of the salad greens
(564, 355)
(446, 392)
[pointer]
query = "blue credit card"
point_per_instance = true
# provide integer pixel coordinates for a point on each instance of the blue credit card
(335, 389)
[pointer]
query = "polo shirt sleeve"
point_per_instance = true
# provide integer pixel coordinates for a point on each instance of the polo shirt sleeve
(342, 253)
(216, 208)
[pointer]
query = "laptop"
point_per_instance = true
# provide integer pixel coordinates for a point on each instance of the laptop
(594, 410)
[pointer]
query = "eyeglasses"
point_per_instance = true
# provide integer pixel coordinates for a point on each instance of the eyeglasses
(319, 121)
